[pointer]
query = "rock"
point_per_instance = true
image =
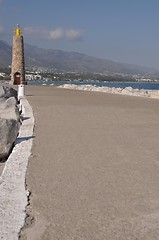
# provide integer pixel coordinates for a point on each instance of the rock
(9, 109)
(10, 92)
(2, 92)
(9, 120)
(8, 133)
(126, 91)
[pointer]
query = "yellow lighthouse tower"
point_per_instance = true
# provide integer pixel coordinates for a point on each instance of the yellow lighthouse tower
(18, 63)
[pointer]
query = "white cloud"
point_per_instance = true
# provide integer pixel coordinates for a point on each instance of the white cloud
(35, 32)
(74, 34)
(55, 34)
(58, 33)
(71, 34)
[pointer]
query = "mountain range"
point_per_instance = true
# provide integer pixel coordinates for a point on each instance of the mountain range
(70, 61)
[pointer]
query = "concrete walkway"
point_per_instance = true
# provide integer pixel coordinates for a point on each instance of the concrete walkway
(13, 193)
(94, 170)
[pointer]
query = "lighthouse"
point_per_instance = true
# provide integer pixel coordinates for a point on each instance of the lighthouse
(18, 61)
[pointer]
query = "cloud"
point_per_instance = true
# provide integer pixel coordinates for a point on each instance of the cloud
(55, 34)
(35, 32)
(71, 34)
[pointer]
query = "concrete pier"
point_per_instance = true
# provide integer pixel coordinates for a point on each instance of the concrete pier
(94, 168)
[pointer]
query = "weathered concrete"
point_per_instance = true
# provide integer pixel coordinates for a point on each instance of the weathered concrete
(13, 195)
(94, 170)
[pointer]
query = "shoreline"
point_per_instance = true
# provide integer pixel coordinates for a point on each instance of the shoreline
(128, 91)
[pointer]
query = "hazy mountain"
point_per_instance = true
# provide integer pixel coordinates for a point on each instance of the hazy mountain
(5, 54)
(69, 61)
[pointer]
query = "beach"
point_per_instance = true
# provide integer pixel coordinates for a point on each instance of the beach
(93, 172)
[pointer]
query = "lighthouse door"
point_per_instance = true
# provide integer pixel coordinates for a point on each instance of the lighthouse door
(17, 78)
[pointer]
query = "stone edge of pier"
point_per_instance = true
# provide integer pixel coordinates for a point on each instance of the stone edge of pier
(14, 196)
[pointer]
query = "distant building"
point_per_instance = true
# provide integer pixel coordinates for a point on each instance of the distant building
(18, 64)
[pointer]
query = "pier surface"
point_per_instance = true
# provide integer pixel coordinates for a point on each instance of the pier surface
(94, 169)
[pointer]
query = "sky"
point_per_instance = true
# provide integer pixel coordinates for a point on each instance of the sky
(125, 31)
